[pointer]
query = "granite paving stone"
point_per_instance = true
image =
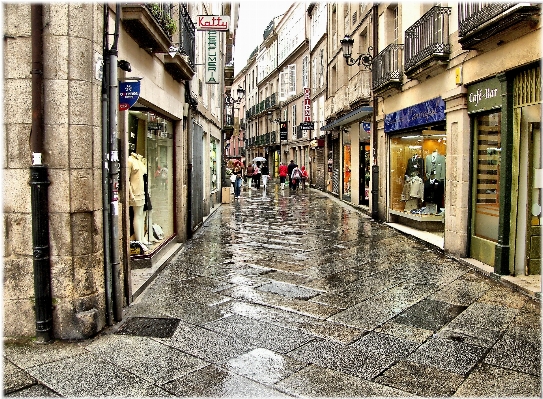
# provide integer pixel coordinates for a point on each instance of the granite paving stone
(214, 382)
(15, 378)
(264, 366)
(456, 357)
(315, 381)
(420, 379)
(463, 291)
(429, 314)
(404, 331)
(391, 347)
(145, 357)
(491, 381)
(33, 391)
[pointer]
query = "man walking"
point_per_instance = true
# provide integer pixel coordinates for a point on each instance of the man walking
(291, 167)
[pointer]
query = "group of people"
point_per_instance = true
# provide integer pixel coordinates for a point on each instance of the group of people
(294, 175)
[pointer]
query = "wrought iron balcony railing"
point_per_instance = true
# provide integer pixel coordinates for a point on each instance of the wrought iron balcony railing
(428, 37)
(162, 12)
(387, 66)
(187, 31)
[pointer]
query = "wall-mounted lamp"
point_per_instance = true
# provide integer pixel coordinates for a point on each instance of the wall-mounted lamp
(347, 47)
(124, 65)
(231, 100)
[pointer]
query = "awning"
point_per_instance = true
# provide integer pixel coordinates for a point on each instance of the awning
(351, 116)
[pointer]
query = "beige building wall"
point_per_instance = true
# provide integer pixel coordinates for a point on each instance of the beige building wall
(72, 96)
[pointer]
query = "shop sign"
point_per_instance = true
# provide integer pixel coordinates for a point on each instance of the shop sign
(213, 22)
(307, 125)
(485, 96)
(366, 126)
(129, 92)
(212, 70)
(283, 130)
(307, 105)
(427, 112)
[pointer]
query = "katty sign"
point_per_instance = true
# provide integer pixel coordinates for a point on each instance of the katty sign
(213, 22)
(129, 92)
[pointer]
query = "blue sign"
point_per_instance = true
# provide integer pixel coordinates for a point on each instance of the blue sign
(129, 92)
(430, 111)
(366, 126)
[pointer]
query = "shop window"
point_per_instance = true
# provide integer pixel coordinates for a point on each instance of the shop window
(213, 156)
(417, 173)
(151, 145)
(346, 166)
(487, 154)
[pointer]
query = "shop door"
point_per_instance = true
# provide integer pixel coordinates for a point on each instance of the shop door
(528, 237)
(365, 173)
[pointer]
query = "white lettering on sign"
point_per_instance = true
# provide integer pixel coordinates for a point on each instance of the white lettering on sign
(482, 94)
(213, 22)
(307, 104)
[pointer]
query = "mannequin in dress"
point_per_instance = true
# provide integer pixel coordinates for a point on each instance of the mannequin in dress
(136, 170)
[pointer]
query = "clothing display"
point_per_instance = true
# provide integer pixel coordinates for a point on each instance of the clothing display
(415, 166)
(433, 192)
(136, 170)
(435, 164)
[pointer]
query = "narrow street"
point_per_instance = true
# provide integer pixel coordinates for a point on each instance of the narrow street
(295, 294)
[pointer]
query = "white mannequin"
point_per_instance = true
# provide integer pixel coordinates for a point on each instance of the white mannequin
(136, 171)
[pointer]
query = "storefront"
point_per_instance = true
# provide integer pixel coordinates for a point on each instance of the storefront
(365, 164)
(505, 115)
(347, 174)
(150, 191)
(417, 165)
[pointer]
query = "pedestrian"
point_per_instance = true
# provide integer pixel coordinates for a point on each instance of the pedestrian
(295, 177)
(283, 174)
(256, 175)
(249, 173)
(265, 174)
(291, 167)
(237, 182)
(305, 176)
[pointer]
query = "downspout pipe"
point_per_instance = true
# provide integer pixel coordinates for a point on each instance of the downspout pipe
(114, 170)
(106, 209)
(375, 135)
(39, 188)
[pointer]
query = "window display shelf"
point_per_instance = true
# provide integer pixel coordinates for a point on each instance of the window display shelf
(418, 217)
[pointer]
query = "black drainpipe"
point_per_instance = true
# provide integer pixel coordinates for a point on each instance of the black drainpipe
(39, 188)
(375, 135)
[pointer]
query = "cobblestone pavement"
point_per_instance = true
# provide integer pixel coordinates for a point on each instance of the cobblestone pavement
(285, 294)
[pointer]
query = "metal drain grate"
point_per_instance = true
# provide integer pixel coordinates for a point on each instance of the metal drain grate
(149, 327)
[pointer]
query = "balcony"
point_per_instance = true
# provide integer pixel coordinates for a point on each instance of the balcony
(482, 26)
(359, 89)
(387, 71)
(150, 25)
(427, 47)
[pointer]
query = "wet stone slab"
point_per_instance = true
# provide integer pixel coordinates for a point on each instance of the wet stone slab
(315, 381)
(429, 314)
(146, 358)
(261, 334)
(464, 291)
(288, 290)
(15, 378)
(214, 382)
(421, 379)
(406, 332)
(456, 357)
(33, 391)
(264, 366)
(386, 345)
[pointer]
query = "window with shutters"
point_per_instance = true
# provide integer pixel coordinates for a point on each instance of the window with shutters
(293, 124)
(292, 80)
(305, 71)
(283, 86)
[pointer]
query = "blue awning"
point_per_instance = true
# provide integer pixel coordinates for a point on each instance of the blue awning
(351, 116)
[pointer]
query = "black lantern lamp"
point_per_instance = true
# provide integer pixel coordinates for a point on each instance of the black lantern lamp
(230, 100)
(347, 47)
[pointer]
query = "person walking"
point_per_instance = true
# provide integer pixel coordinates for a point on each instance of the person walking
(291, 167)
(249, 173)
(283, 174)
(295, 177)
(256, 175)
(305, 176)
(265, 174)
(237, 182)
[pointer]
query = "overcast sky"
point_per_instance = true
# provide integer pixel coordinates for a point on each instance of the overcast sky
(254, 17)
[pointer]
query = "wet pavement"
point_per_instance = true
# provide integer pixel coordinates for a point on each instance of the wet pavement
(284, 294)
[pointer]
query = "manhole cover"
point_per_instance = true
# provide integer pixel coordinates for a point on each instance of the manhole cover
(149, 327)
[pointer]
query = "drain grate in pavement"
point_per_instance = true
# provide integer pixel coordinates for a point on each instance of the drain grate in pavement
(149, 327)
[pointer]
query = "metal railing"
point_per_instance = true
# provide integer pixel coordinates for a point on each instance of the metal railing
(427, 37)
(162, 13)
(187, 31)
(387, 66)
(472, 15)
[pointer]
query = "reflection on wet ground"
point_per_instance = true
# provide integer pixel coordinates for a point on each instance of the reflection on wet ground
(295, 294)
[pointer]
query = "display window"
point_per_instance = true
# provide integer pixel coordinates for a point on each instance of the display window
(417, 174)
(149, 167)
(213, 145)
(346, 167)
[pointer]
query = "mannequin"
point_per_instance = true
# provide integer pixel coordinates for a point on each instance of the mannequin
(435, 162)
(136, 170)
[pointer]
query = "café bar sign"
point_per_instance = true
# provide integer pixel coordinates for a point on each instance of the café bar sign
(213, 22)
(485, 96)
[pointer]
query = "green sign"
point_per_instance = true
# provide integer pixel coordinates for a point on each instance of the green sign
(485, 96)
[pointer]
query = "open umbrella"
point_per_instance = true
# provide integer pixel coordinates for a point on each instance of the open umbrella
(261, 159)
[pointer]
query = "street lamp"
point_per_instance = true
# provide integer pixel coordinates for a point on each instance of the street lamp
(347, 47)
(231, 100)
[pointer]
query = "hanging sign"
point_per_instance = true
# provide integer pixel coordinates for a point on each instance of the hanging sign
(212, 22)
(283, 130)
(129, 92)
(485, 96)
(212, 71)
(307, 104)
